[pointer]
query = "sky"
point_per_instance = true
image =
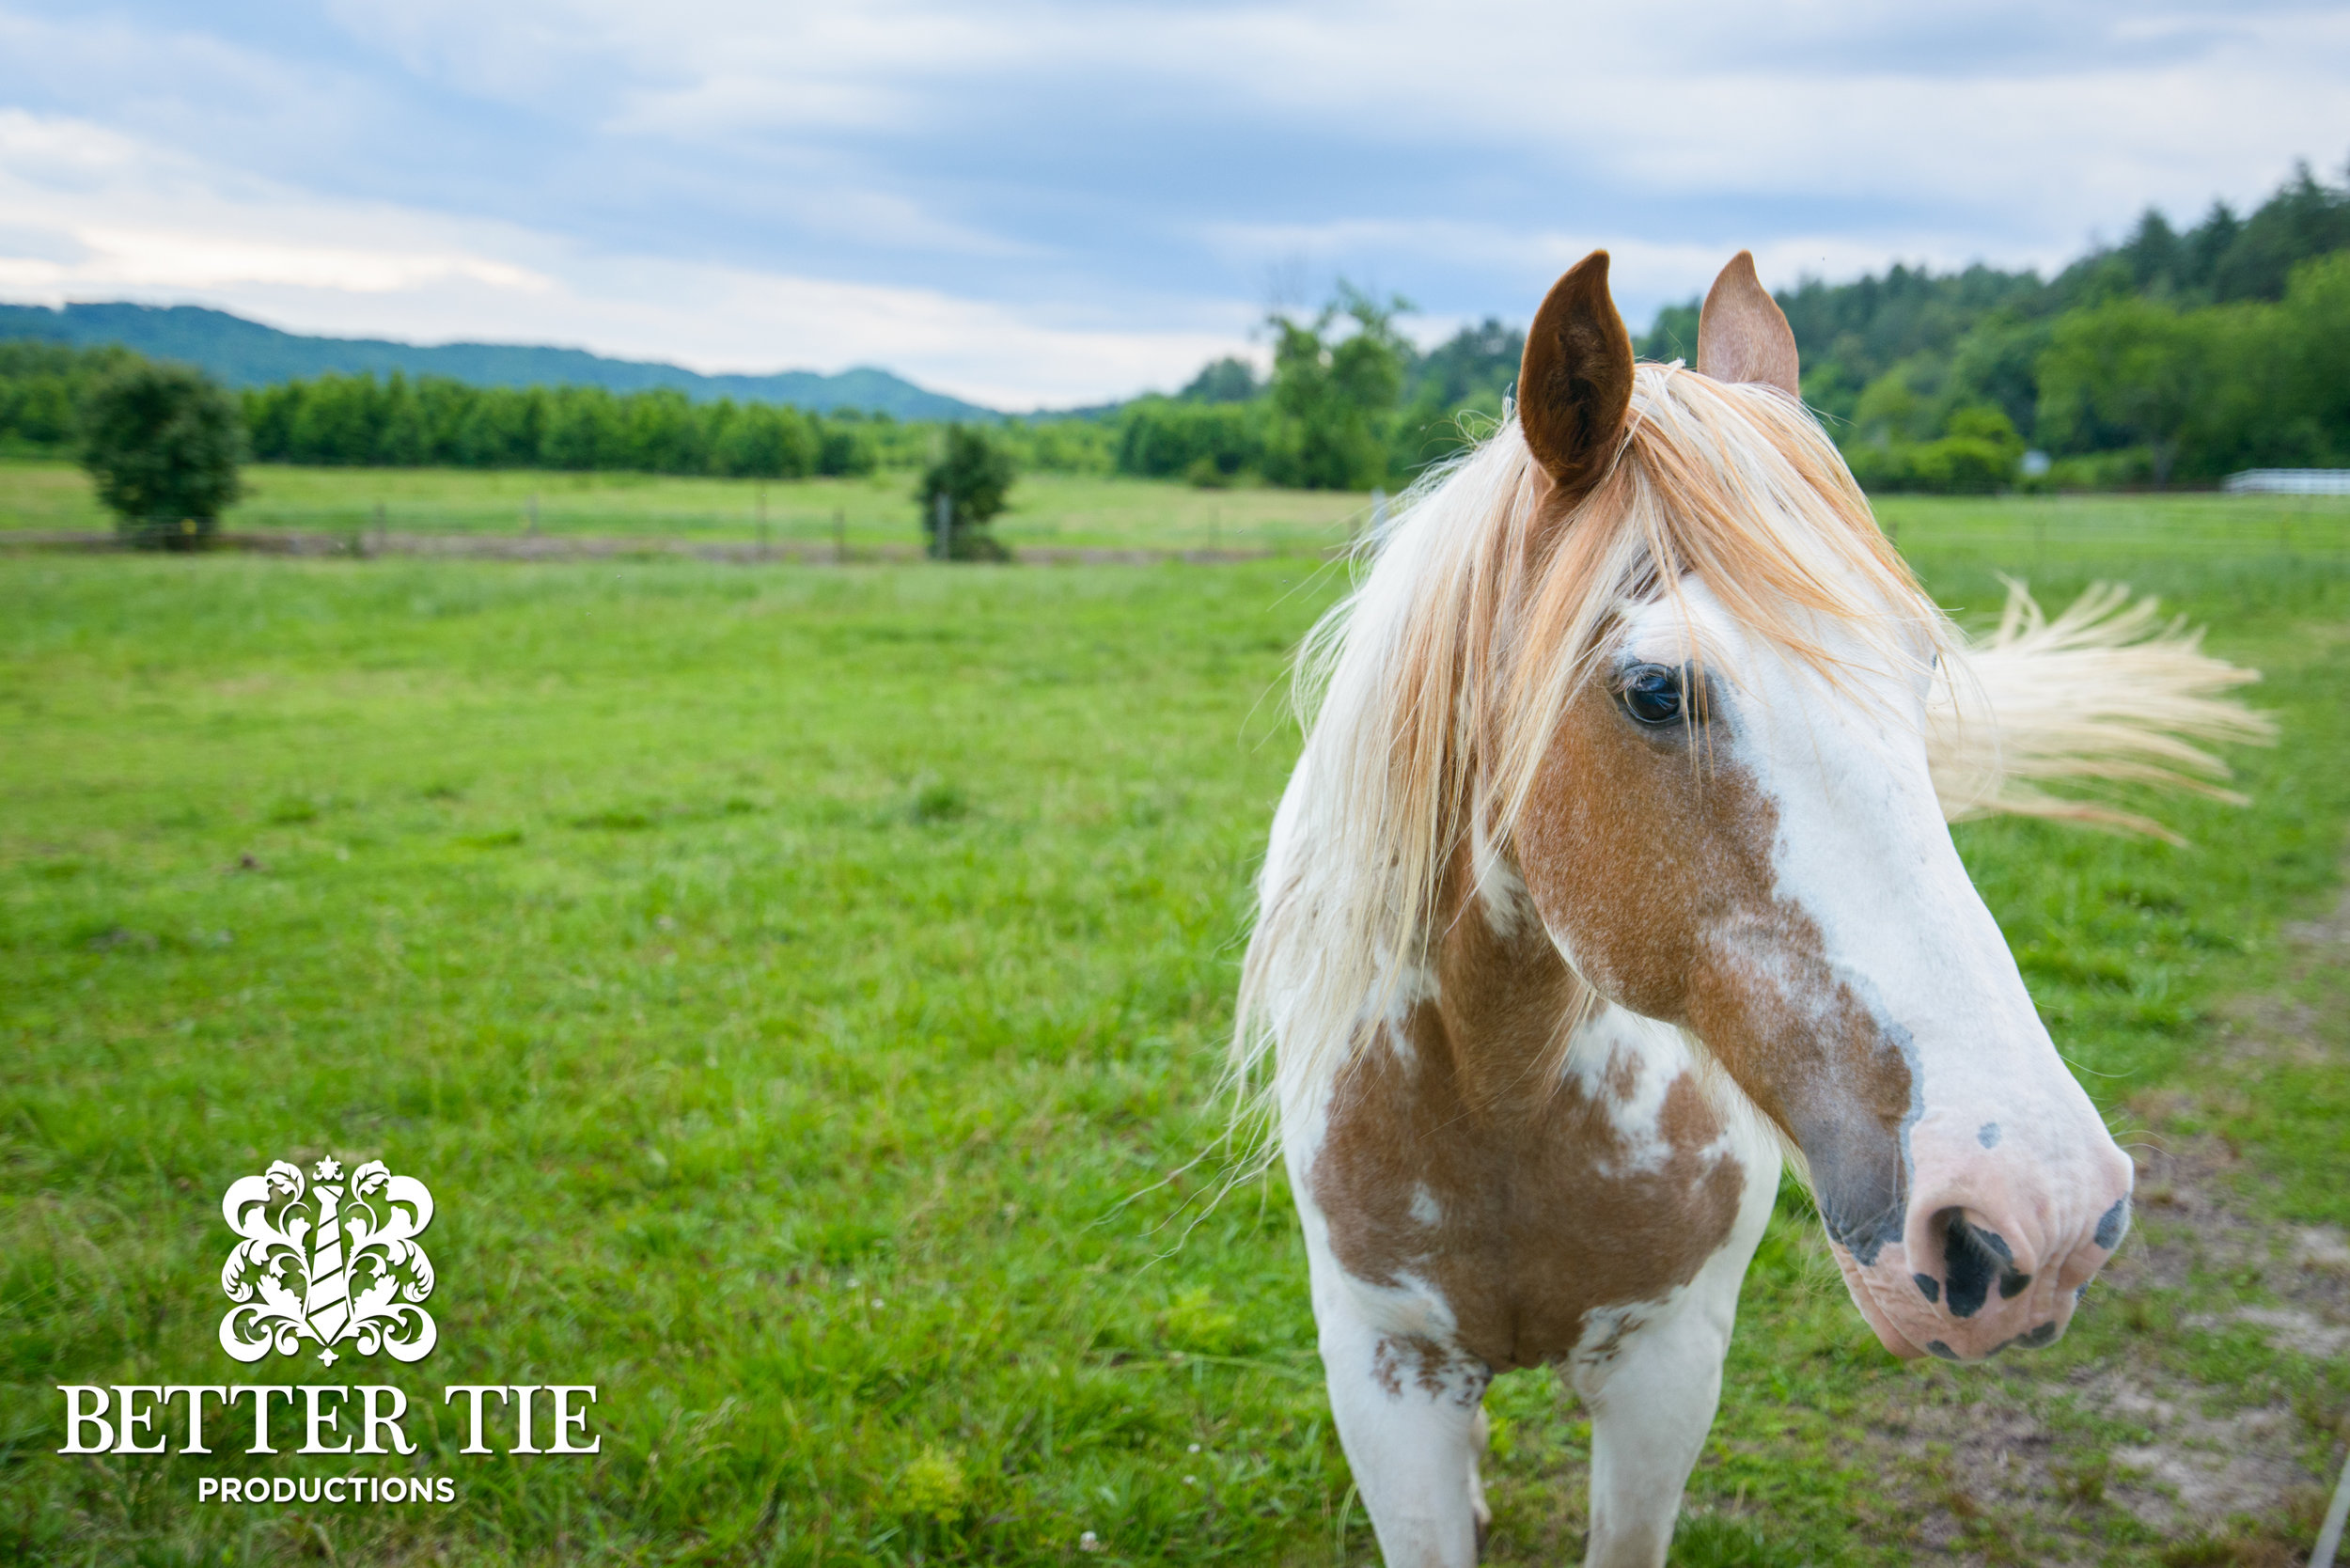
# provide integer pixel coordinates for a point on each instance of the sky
(1045, 204)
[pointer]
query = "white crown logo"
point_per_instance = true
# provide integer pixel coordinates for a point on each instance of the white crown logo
(336, 1265)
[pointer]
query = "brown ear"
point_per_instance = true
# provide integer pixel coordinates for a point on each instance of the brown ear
(1742, 333)
(1574, 385)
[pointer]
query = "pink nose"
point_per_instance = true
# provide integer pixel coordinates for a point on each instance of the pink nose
(1966, 1282)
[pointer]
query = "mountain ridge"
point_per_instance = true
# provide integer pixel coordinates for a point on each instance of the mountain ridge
(245, 352)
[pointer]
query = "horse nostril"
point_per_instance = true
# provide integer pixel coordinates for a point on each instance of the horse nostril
(1972, 1256)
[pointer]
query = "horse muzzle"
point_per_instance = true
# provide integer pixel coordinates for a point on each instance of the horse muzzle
(1987, 1262)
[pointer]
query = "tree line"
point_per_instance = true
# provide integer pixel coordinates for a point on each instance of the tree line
(347, 420)
(2172, 355)
(2176, 354)
(434, 421)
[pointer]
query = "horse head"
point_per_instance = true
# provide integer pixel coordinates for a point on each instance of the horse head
(1727, 819)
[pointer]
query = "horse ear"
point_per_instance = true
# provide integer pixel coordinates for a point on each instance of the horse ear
(1574, 385)
(1742, 333)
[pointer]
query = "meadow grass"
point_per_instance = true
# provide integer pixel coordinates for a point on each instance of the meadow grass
(1046, 510)
(803, 990)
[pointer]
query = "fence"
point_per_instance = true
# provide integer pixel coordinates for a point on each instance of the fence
(2289, 481)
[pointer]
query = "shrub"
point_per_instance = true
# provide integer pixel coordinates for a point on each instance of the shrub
(1978, 452)
(163, 443)
(974, 475)
(1960, 465)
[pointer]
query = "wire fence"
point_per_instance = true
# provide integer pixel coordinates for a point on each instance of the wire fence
(2027, 536)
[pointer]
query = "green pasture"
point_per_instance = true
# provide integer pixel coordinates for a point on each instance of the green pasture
(1047, 510)
(803, 989)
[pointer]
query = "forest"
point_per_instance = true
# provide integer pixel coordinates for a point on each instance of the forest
(2174, 357)
(2177, 356)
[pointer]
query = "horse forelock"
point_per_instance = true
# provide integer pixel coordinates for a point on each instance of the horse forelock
(1432, 693)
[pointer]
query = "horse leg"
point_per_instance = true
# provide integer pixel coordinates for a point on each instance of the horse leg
(1651, 1400)
(1411, 1417)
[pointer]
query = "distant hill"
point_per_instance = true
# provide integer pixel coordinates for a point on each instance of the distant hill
(247, 354)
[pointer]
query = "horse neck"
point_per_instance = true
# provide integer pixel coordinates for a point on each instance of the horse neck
(1503, 1001)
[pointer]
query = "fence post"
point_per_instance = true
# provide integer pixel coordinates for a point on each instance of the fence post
(945, 527)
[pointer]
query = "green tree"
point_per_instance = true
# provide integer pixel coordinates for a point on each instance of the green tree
(762, 441)
(42, 388)
(1334, 402)
(1468, 374)
(503, 428)
(1223, 380)
(844, 448)
(972, 475)
(163, 443)
(2132, 366)
(659, 433)
(2304, 219)
(1905, 403)
(1212, 444)
(586, 428)
(337, 420)
(2315, 357)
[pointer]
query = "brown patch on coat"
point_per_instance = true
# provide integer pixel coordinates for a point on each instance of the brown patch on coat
(1538, 1220)
(1435, 1369)
(1649, 852)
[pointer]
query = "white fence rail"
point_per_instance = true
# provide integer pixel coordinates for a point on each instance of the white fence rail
(2289, 481)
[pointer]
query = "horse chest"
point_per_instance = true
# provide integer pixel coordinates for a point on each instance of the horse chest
(1529, 1230)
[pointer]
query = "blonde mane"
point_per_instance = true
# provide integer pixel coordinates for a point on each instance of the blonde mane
(1430, 694)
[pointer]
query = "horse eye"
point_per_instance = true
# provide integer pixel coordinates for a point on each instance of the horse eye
(1653, 695)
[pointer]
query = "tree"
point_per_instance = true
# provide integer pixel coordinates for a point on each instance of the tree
(974, 476)
(163, 443)
(1212, 444)
(2304, 219)
(1223, 380)
(2315, 356)
(2132, 366)
(1334, 403)
(1469, 373)
(763, 441)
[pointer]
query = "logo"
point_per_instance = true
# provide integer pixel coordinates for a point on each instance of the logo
(333, 1264)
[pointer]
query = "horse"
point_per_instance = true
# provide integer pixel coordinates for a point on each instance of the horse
(1616, 871)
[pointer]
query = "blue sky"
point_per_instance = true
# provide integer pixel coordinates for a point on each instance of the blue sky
(1041, 204)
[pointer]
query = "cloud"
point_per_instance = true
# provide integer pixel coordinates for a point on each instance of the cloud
(1039, 197)
(95, 214)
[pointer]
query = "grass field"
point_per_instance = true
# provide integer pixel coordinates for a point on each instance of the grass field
(1046, 508)
(803, 989)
